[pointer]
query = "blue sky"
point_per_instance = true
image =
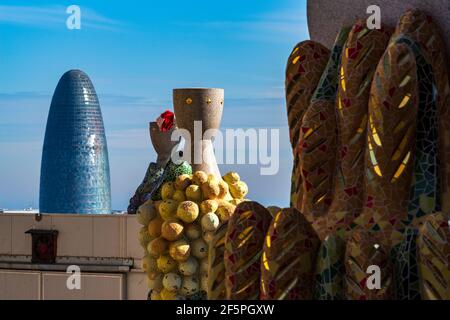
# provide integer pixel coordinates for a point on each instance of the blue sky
(135, 52)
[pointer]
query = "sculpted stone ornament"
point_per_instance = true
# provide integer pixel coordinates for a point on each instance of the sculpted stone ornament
(198, 111)
(164, 169)
(163, 145)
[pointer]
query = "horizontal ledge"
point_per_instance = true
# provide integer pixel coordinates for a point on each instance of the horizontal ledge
(72, 260)
(43, 214)
(62, 267)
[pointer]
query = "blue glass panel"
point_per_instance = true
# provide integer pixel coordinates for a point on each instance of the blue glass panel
(75, 166)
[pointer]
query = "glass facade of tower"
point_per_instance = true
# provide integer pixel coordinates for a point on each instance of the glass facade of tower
(75, 166)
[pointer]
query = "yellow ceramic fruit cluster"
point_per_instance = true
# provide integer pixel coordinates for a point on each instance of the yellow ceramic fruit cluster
(177, 231)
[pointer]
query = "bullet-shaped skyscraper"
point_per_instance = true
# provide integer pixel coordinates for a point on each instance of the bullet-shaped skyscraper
(75, 166)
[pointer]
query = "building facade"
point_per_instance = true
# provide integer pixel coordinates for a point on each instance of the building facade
(75, 166)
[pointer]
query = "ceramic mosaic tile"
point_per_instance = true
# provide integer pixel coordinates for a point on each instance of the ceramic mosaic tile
(151, 181)
(363, 250)
(422, 29)
(391, 137)
(216, 267)
(425, 189)
(289, 258)
(361, 54)
(244, 240)
(434, 257)
(406, 272)
(304, 68)
(330, 269)
(317, 144)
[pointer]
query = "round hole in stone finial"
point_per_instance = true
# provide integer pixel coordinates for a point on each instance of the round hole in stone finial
(189, 101)
(208, 101)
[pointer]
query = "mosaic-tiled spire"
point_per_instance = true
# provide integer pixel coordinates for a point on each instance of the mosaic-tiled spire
(317, 144)
(360, 57)
(391, 140)
(416, 30)
(425, 195)
(304, 68)
(420, 27)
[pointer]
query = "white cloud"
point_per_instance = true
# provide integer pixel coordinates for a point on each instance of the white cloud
(279, 26)
(54, 16)
(127, 139)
